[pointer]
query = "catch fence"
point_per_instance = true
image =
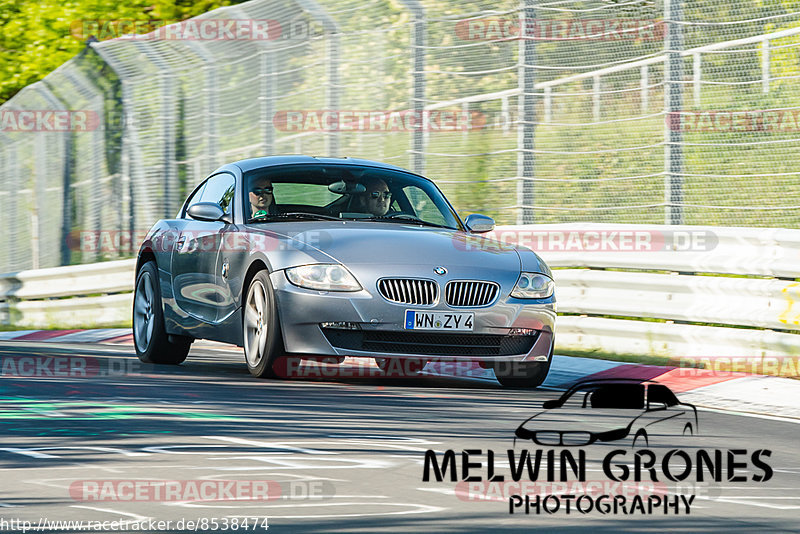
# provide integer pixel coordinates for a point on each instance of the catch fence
(645, 111)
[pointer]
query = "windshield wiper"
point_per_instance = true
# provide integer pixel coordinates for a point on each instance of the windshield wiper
(407, 219)
(293, 215)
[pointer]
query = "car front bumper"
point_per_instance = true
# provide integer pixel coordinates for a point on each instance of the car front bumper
(381, 330)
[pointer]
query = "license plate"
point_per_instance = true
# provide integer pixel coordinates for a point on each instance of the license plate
(422, 320)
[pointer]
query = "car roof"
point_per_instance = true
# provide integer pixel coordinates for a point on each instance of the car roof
(613, 381)
(269, 161)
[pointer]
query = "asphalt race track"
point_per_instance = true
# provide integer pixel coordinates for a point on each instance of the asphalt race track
(345, 455)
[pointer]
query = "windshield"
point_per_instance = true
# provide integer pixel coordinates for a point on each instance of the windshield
(347, 192)
(607, 396)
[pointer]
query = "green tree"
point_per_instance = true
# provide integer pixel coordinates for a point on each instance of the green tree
(35, 36)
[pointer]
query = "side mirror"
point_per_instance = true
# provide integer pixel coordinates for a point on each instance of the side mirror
(550, 404)
(206, 211)
(479, 223)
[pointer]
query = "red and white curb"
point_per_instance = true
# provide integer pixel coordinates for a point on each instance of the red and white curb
(724, 390)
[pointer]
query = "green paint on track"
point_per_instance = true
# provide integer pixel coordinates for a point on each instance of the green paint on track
(16, 408)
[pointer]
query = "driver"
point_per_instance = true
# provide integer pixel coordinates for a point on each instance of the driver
(377, 198)
(262, 200)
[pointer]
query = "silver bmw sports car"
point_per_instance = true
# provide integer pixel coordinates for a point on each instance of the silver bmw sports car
(327, 257)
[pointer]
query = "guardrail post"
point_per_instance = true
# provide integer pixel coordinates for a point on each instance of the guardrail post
(526, 124)
(673, 103)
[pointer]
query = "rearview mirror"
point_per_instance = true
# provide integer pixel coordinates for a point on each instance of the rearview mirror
(342, 187)
(206, 211)
(479, 223)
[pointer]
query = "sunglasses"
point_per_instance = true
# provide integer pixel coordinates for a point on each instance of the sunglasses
(262, 191)
(377, 194)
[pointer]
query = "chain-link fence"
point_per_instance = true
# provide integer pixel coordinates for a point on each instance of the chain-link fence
(653, 111)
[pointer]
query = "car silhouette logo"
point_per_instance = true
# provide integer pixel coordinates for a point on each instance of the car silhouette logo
(610, 409)
(441, 271)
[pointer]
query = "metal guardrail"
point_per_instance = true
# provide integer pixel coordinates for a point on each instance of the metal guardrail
(711, 291)
(96, 294)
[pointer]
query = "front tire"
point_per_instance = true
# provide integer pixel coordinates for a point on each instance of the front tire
(261, 329)
(521, 374)
(150, 338)
(641, 437)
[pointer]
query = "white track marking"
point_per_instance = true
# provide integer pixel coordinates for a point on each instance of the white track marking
(28, 452)
(266, 444)
(135, 517)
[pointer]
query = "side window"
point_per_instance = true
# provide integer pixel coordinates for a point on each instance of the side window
(658, 394)
(220, 189)
(423, 206)
(194, 198)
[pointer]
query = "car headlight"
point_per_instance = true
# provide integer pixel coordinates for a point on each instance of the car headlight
(323, 277)
(533, 286)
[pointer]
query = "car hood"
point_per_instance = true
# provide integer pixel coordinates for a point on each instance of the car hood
(583, 420)
(369, 243)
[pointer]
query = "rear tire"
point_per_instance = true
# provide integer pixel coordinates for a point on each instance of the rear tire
(261, 328)
(521, 374)
(639, 438)
(150, 338)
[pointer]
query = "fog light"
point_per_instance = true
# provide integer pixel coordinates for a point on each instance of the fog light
(521, 331)
(341, 325)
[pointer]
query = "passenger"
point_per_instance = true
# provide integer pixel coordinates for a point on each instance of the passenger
(262, 200)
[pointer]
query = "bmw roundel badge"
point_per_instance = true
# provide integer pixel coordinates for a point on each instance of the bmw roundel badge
(441, 271)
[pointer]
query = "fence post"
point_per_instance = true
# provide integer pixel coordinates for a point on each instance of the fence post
(332, 100)
(527, 113)
(210, 76)
(128, 169)
(167, 119)
(673, 103)
(66, 177)
(268, 95)
(333, 60)
(13, 172)
(94, 208)
(418, 43)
